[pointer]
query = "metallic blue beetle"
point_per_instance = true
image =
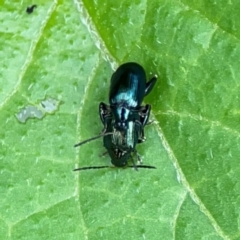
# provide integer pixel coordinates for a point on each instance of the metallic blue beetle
(124, 119)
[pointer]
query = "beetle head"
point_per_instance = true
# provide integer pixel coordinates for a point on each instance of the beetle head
(119, 158)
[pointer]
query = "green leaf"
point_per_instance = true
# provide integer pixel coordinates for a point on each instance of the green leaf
(66, 51)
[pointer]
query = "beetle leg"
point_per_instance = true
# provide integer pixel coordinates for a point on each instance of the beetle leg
(103, 154)
(150, 84)
(105, 115)
(144, 114)
(134, 165)
(139, 158)
(142, 138)
(140, 131)
(104, 112)
(151, 122)
(104, 129)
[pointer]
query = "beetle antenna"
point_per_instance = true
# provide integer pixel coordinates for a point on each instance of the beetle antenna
(93, 138)
(134, 165)
(142, 166)
(99, 167)
(94, 167)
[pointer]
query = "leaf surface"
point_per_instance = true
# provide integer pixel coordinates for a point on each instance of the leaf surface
(66, 51)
